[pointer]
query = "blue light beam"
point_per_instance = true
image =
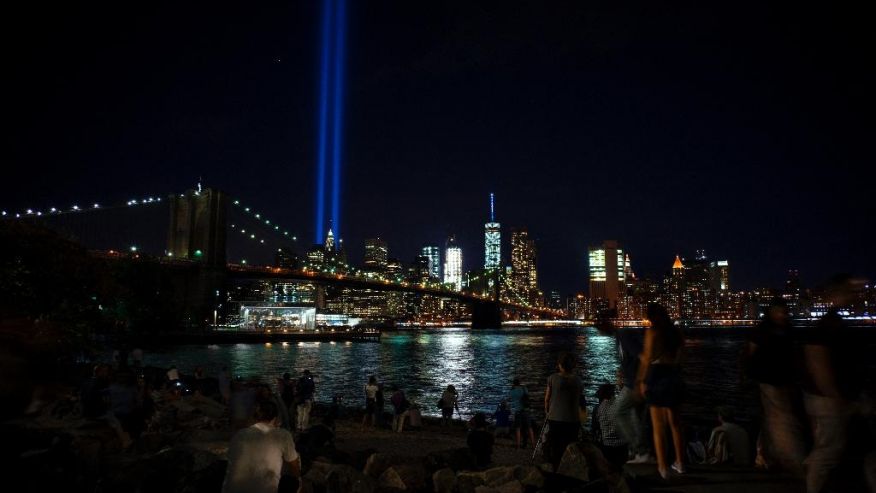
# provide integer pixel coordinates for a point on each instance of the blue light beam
(338, 107)
(322, 152)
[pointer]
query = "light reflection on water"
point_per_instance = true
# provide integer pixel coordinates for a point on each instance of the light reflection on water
(479, 364)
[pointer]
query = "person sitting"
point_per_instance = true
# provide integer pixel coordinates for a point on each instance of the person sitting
(604, 427)
(480, 441)
(503, 419)
(729, 443)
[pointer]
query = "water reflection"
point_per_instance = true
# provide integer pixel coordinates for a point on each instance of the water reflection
(480, 364)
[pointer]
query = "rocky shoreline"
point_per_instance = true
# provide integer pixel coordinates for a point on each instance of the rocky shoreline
(184, 447)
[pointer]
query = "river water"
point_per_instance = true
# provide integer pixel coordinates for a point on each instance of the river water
(480, 364)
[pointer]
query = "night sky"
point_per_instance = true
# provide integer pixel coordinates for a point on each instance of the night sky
(743, 128)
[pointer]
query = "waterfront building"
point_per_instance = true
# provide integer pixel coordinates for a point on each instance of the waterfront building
(720, 275)
(453, 264)
(607, 269)
(286, 259)
(676, 290)
(433, 253)
(376, 253)
(492, 241)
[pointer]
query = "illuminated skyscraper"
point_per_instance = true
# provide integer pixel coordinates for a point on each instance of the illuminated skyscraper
(720, 275)
(607, 268)
(433, 253)
(492, 241)
(376, 251)
(453, 264)
(524, 274)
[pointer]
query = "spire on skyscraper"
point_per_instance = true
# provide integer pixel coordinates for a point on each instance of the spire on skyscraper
(677, 264)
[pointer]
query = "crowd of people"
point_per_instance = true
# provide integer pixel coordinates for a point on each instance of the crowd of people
(810, 384)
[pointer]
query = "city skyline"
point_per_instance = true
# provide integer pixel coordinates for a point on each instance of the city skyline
(593, 121)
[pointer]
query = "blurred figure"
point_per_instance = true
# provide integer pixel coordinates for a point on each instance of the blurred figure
(371, 389)
(728, 443)
(400, 408)
(660, 382)
(604, 427)
(503, 419)
(771, 363)
(480, 441)
(304, 391)
(449, 401)
(519, 401)
(225, 385)
(629, 405)
(257, 454)
(137, 357)
(562, 407)
(833, 380)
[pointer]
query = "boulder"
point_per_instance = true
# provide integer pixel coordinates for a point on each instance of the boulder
(529, 476)
(391, 480)
(469, 481)
(574, 463)
(602, 469)
(498, 476)
(509, 487)
(346, 479)
(317, 473)
(413, 475)
(458, 459)
(444, 480)
(378, 463)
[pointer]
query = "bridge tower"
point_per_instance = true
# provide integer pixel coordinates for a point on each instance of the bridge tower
(198, 222)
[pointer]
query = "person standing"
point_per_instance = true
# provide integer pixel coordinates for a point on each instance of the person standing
(518, 399)
(400, 408)
(257, 454)
(629, 405)
(660, 382)
(371, 389)
(833, 382)
(304, 390)
(561, 406)
(771, 363)
(449, 402)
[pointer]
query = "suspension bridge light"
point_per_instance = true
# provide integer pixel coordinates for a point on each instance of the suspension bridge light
(243, 231)
(267, 222)
(276, 227)
(252, 236)
(39, 213)
(258, 216)
(262, 241)
(285, 233)
(133, 248)
(50, 210)
(75, 207)
(246, 209)
(236, 202)
(243, 261)
(96, 205)
(30, 211)
(17, 216)
(294, 238)
(170, 254)
(3, 213)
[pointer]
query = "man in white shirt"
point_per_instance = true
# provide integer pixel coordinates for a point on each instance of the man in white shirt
(258, 453)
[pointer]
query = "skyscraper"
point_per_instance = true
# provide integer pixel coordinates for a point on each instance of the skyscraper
(607, 268)
(433, 253)
(524, 274)
(453, 264)
(376, 252)
(492, 241)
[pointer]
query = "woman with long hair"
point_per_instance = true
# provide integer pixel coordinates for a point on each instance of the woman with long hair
(660, 383)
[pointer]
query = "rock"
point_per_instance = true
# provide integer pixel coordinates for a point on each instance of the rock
(468, 481)
(412, 474)
(378, 463)
(510, 487)
(602, 469)
(318, 473)
(529, 476)
(498, 476)
(574, 463)
(390, 479)
(444, 480)
(346, 479)
(458, 459)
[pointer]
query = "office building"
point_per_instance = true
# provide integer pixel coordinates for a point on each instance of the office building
(524, 271)
(492, 241)
(607, 269)
(433, 253)
(453, 264)
(376, 253)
